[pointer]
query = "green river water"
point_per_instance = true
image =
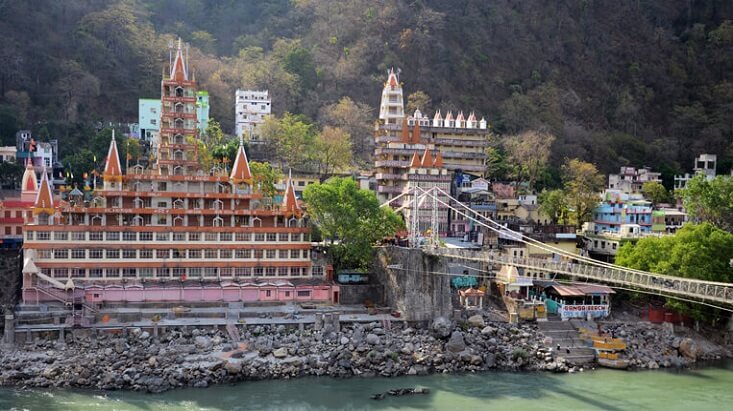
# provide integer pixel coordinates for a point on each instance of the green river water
(709, 388)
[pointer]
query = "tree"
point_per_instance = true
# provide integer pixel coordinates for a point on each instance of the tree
(333, 151)
(699, 251)
(11, 174)
(655, 192)
(554, 203)
(264, 177)
(582, 182)
(418, 100)
(496, 166)
(351, 218)
(290, 138)
(356, 120)
(528, 155)
(710, 201)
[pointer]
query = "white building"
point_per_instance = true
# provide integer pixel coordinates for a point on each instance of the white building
(7, 154)
(630, 180)
(391, 108)
(704, 164)
(250, 109)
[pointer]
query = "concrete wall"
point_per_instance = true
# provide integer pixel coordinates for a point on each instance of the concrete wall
(357, 294)
(413, 290)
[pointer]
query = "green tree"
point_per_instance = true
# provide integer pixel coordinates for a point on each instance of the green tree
(11, 174)
(655, 192)
(582, 182)
(333, 151)
(554, 203)
(290, 138)
(700, 251)
(351, 218)
(356, 120)
(529, 153)
(264, 177)
(710, 201)
(418, 100)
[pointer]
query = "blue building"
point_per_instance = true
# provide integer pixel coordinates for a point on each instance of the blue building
(149, 118)
(610, 215)
(202, 110)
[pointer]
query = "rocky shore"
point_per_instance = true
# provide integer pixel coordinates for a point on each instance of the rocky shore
(201, 357)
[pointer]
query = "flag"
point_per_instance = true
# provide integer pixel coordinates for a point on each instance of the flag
(95, 158)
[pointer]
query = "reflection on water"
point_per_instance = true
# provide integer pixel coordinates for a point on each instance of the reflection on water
(602, 389)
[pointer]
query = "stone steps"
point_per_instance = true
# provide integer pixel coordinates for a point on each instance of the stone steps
(565, 335)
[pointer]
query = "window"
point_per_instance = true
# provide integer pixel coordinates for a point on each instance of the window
(270, 271)
(225, 253)
(294, 237)
(210, 272)
(129, 272)
(259, 236)
(112, 253)
(60, 254)
(44, 253)
(194, 253)
(146, 272)
(78, 235)
(243, 272)
(317, 270)
(258, 271)
(162, 253)
(211, 253)
(294, 253)
(153, 121)
(60, 273)
(243, 253)
(95, 236)
(271, 254)
(282, 237)
(178, 253)
(211, 236)
(126, 253)
(178, 272)
(268, 293)
(258, 254)
(304, 293)
(194, 272)
(112, 236)
(95, 253)
(112, 273)
(162, 237)
(78, 272)
(287, 293)
(244, 237)
(95, 272)
(179, 236)
(78, 253)
(194, 237)
(129, 236)
(60, 235)
(271, 237)
(282, 272)
(29, 235)
(146, 253)
(225, 236)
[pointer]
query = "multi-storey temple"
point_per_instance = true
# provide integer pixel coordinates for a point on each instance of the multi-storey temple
(171, 232)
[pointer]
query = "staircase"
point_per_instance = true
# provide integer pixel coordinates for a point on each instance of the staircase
(572, 348)
(233, 333)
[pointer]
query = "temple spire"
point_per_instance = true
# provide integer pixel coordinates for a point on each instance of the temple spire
(240, 170)
(112, 168)
(29, 185)
(179, 70)
(44, 198)
(427, 159)
(290, 201)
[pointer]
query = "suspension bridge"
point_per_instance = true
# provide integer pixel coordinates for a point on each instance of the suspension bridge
(421, 201)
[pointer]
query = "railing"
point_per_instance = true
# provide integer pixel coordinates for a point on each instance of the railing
(662, 284)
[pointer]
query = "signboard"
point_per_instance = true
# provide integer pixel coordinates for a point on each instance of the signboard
(581, 311)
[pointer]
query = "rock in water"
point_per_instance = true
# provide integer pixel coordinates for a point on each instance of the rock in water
(456, 342)
(476, 321)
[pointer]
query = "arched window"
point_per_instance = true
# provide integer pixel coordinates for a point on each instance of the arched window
(218, 221)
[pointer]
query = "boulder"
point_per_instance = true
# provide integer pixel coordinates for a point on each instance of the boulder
(689, 348)
(476, 321)
(488, 330)
(442, 327)
(372, 339)
(456, 343)
(233, 367)
(281, 352)
(202, 342)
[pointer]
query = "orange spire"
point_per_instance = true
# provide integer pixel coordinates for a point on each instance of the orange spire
(438, 160)
(290, 201)
(29, 178)
(415, 163)
(112, 168)
(416, 132)
(427, 158)
(405, 131)
(44, 198)
(179, 70)
(240, 170)
(448, 117)
(392, 78)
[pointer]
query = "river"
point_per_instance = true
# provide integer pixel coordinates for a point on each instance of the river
(688, 390)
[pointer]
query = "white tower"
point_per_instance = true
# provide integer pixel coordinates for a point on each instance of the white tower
(392, 110)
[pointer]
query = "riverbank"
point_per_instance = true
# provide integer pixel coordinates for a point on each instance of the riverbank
(191, 357)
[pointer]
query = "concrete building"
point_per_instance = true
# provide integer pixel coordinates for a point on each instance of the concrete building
(202, 110)
(171, 233)
(7, 154)
(704, 164)
(15, 210)
(630, 180)
(427, 171)
(43, 155)
(250, 109)
(149, 119)
(461, 141)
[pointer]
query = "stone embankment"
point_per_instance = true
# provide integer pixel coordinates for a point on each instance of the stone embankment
(198, 357)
